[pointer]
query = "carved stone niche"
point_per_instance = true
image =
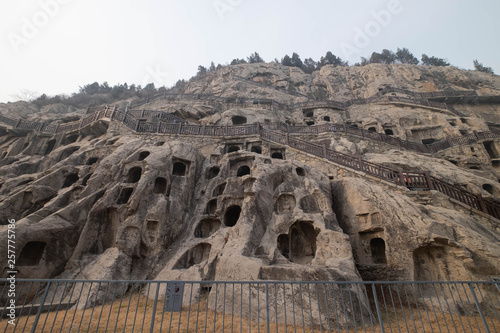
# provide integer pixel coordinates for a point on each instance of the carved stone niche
(248, 184)
(194, 256)
(370, 222)
(285, 203)
(152, 230)
(299, 244)
(129, 241)
(371, 247)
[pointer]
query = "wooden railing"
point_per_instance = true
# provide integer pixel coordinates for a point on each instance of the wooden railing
(417, 100)
(281, 133)
(132, 119)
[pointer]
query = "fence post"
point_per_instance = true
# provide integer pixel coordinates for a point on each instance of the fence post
(482, 205)
(479, 308)
(180, 128)
(137, 125)
(360, 162)
(154, 308)
(428, 179)
(40, 307)
(324, 150)
(159, 125)
(402, 181)
(476, 135)
(258, 129)
(112, 113)
(378, 308)
(267, 308)
(203, 130)
(225, 130)
(142, 113)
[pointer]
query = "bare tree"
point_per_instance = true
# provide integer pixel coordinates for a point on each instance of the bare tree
(25, 95)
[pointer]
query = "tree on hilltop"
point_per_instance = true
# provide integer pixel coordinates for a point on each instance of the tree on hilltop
(296, 61)
(404, 56)
(286, 61)
(330, 59)
(309, 65)
(386, 57)
(479, 67)
(255, 58)
(433, 61)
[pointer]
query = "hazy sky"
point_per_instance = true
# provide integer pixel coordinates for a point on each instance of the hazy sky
(55, 46)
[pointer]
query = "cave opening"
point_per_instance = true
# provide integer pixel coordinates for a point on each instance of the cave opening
(92, 160)
(377, 248)
(50, 146)
(70, 180)
(256, 149)
(31, 254)
(388, 131)
(243, 170)
(179, 169)
(206, 228)
(232, 149)
(143, 155)
(239, 120)
(160, 185)
(125, 195)
(213, 172)
(232, 216)
(134, 175)
(277, 155)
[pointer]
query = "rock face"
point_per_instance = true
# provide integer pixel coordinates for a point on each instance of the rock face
(106, 203)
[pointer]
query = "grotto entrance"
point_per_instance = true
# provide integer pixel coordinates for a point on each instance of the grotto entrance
(299, 244)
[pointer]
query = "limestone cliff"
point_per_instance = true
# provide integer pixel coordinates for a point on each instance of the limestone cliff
(104, 201)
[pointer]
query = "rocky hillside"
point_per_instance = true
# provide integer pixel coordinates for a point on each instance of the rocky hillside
(183, 194)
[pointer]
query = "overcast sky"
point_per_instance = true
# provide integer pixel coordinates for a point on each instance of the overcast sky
(55, 46)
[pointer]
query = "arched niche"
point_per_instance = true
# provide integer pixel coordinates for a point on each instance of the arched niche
(179, 169)
(219, 190)
(143, 155)
(277, 155)
(160, 185)
(243, 170)
(285, 203)
(70, 180)
(377, 249)
(125, 195)
(211, 207)
(308, 204)
(213, 172)
(206, 227)
(134, 175)
(232, 149)
(232, 216)
(31, 254)
(239, 120)
(300, 172)
(489, 188)
(256, 149)
(299, 245)
(194, 256)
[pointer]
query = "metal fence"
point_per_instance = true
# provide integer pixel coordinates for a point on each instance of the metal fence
(259, 306)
